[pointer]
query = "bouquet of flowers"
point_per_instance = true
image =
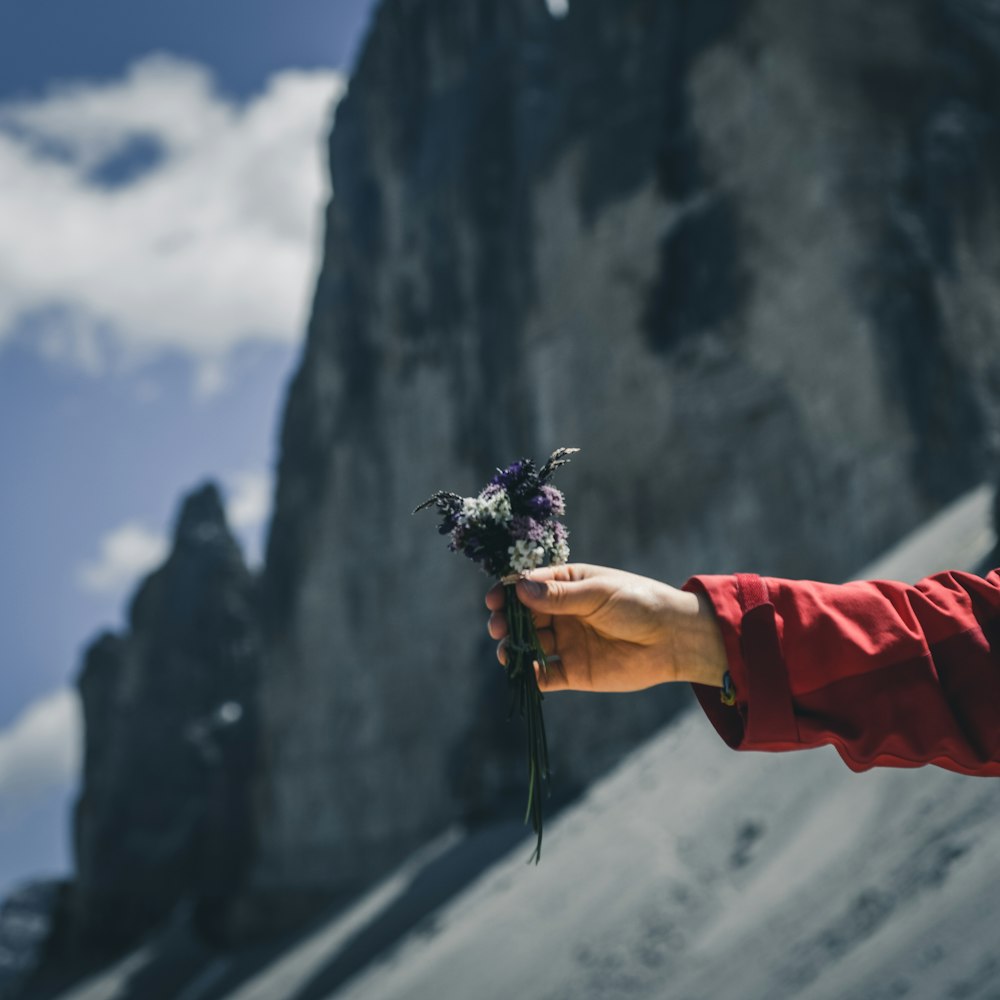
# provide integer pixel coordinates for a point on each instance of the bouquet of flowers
(510, 528)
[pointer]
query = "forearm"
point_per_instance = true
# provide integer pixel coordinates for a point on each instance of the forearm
(699, 654)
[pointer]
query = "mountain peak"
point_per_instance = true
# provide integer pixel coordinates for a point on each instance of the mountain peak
(202, 516)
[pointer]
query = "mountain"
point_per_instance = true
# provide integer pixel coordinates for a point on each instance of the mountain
(164, 813)
(739, 252)
(689, 871)
(743, 254)
(699, 873)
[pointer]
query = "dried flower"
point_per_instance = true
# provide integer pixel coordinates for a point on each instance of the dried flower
(511, 528)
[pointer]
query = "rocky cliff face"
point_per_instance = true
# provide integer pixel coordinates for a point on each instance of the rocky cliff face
(742, 253)
(164, 812)
(29, 926)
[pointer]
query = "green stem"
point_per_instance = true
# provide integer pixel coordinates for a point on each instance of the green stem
(523, 648)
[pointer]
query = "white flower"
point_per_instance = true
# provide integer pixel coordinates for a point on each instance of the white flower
(556, 546)
(498, 506)
(472, 508)
(492, 507)
(525, 556)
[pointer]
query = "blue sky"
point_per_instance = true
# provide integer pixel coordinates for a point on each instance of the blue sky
(161, 182)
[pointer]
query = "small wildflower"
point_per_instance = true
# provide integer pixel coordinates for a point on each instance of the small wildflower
(525, 556)
(527, 528)
(548, 501)
(509, 529)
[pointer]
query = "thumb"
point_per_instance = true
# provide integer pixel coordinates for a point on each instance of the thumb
(562, 597)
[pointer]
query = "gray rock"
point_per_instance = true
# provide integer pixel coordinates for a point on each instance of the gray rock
(29, 918)
(164, 812)
(742, 253)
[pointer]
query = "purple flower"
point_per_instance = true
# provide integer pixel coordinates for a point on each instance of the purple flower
(449, 506)
(526, 529)
(547, 502)
(516, 476)
(515, 515)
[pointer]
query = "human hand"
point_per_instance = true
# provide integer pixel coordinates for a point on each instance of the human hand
(604, 629)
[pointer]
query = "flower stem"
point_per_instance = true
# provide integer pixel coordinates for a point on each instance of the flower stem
(524, 648)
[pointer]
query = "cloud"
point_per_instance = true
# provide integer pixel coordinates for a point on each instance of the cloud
(39, 751)
(249, 500)
(151, 214)
(248, 505)
(126, 553)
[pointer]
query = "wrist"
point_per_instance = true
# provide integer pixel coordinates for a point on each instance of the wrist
(699, 653)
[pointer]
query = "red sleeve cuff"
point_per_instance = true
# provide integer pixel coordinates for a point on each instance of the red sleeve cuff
(763, 717)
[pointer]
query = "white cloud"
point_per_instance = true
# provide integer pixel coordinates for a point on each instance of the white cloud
(131, 550)
(40, 751)
(249, 500)
(248, 506)
(126, 553)
(214, 245)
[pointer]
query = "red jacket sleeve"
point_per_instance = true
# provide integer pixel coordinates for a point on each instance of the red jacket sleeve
(888, 673)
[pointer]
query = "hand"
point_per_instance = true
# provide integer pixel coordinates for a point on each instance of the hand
(604, 629)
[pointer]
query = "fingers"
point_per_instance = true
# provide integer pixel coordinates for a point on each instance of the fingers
(566, 571)
(497, 625)
(552, 678)
(496, 597)
(548, 593)
(541, 620)
(546, 639)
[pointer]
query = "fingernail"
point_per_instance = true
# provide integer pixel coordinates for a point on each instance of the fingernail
(532, 588)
